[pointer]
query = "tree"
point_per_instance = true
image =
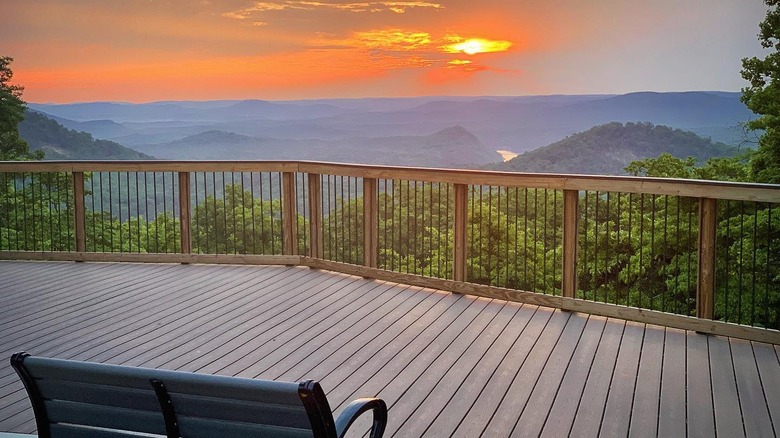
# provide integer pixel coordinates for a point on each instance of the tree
(763, 97)
(12, 108)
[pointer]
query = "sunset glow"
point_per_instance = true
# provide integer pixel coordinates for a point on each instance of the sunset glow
(473, 46)
(83, 50)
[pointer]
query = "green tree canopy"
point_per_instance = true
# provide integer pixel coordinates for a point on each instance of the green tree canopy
(763, 97)
(12, 108)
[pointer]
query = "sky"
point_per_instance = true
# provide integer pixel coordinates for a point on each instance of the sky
(152, 50)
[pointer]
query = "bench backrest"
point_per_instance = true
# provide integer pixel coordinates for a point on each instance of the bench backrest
(80, 399)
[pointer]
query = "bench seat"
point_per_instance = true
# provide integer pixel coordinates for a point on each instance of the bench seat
(92, 400)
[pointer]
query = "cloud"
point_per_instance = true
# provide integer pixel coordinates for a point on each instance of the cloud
(392, 49)
(398, 7)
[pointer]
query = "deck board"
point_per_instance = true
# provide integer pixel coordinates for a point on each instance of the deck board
(447, 364)
(617, 409)
(725, 400)
(565, 400)
(751, 393)
(700, 414)
(586, 418)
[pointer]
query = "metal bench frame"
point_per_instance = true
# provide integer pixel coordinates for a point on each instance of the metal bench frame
(311, 395)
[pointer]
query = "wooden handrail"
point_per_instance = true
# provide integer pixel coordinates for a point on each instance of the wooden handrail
(626, 184)
(706, 192)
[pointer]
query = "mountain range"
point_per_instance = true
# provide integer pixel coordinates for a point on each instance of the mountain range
(419, 131)
(517, 124)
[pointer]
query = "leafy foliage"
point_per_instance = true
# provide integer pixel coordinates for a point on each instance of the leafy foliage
(763, 97)
(12, 110)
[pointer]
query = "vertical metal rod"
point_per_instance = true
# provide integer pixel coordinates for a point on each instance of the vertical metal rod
(252, 206)
(370, 223)
(755, 268)
(198, 232)
(289, 214)
(741, 263)
(184, 212)
(630, 242)
(461, 218)
(316, 249)
(585, 245)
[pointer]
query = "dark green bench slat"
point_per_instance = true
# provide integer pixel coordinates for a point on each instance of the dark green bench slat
(263, 391)
(75, 399)
(130, 398)
(208, 428)
(70, 431)
(105, 416)
(240, 410)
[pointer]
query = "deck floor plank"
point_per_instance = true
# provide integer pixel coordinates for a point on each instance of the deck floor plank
(447, 364)
(466, 395)
(725, 400)
(700, 414)
(459, 362)
(505, 418)
(671, 409)
(644, 409)
(617, 410)
(751, 393)
(585, 417)
(569, 393)
(359, 348)
(530, 423)
(769, 371)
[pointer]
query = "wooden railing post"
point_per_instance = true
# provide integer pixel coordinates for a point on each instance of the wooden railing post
(316, 248)
(289, 214)
(570, 218)
(78, 212)
(705, 288)
(184, 213)
(461, 220)
(370, 222)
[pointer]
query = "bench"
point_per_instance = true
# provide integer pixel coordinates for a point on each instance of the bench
(92, 400)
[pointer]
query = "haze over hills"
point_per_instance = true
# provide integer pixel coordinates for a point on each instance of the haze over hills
(608, 149)
(419, 131)
(60, 143)
(451, 147)
(517, 124)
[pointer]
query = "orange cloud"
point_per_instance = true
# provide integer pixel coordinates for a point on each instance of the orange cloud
(394, 40)
(398, 7)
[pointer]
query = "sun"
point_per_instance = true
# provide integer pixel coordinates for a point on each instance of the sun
(473, 46)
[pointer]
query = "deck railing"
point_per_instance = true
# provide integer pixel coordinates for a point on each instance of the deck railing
(696, 255)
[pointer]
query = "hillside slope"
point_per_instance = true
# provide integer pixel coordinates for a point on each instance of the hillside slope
(608, 149)
(61, 143)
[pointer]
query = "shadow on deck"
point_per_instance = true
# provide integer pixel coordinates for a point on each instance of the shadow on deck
(447, 364)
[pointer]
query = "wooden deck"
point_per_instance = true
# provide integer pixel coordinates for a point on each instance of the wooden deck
(447, 365)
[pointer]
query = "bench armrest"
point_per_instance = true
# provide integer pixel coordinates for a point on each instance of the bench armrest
(356, 408)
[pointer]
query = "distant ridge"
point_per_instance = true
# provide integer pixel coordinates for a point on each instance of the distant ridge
(608, 149)
(450, 147)
(61, 143)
